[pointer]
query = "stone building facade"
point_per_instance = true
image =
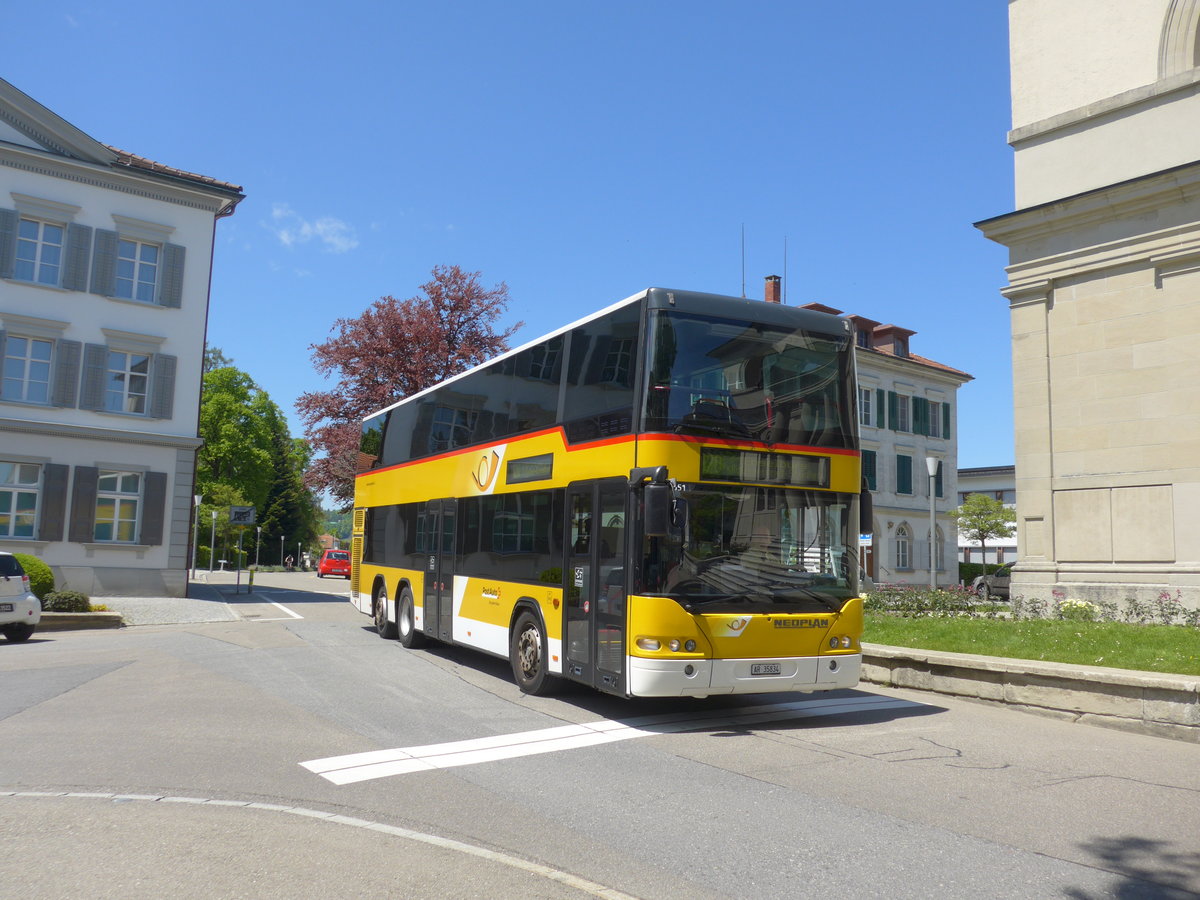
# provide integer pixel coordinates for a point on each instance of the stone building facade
(1104, 292)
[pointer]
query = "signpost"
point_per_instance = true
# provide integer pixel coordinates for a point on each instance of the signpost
(243, 517)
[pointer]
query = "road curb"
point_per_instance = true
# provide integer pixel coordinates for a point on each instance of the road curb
(67, 621)
(1144, 702)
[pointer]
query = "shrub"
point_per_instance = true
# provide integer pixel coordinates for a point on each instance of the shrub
(1077, 611)
(912, 601)
(66, 601)
(41, 578)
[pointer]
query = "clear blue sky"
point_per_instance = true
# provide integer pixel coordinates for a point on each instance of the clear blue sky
(579, 151)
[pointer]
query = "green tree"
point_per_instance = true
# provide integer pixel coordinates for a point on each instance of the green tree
(215, 359)
(982, 518)
(250, 459)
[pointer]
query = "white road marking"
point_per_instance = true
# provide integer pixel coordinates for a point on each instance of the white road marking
(292, 613)
(357, 767)
(573, 881)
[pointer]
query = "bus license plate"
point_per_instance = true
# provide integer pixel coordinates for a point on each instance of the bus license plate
(6, 607)
(765, 669)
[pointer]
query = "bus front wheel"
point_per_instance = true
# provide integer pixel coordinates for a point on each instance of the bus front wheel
(386, 628)
(406, 619)
(527, 652)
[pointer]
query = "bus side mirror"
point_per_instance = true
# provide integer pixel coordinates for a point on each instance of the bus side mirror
(866, 510)
(657, 521)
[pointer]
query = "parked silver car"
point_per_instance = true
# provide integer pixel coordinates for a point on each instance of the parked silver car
(20, 610)
(993, 585)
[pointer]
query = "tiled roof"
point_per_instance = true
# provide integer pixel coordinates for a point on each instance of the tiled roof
(913, 357)
(134, 161)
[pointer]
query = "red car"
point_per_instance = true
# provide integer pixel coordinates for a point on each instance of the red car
(334, 562)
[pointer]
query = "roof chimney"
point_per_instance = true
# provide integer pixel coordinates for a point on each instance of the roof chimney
(772, 289)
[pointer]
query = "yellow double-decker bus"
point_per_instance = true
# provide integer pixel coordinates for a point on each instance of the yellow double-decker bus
(662, 499)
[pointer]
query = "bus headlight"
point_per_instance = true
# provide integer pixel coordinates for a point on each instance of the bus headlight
(674, 645)
(845, 642)
(648, 644)
(689, 646)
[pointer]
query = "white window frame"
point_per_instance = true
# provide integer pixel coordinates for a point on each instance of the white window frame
(124, 376)
(26, 363)
(866, 400)
(935, 419)
(903, 547)
(42, 270)
(904, 412)
(137, 278)
(122, 499)
(15, 483)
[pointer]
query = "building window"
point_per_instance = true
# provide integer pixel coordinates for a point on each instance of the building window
(862, 338)
(26, 369)
(866, 398)
(137, 270)
(903, 547)
(903, 408)
(543, 359)
(39, 252)
(618, 362)
(19, 483)
(934, 424)
(450, 428)
(869, 469)
(904, 484)
(127, 382)
(118, 500)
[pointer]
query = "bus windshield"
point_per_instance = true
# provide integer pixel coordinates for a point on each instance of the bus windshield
(755, 549)
(749, 380)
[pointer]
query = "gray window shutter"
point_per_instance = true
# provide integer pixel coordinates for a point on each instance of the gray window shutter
(104, 263)
(154, 497)
(65, 392)
(83, 505)
(95, 360)
(53, 502)
(162, 402)
(172, 286)
(8, 242)
(75, 272)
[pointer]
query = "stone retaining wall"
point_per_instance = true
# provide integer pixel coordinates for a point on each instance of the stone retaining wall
(1146, 702)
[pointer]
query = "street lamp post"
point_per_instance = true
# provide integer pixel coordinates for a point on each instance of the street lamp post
(281, 551)
(932, 463)
(196, 498)
(257, 544)
(212, 543)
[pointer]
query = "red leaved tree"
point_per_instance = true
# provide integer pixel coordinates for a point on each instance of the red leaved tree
(393, 350)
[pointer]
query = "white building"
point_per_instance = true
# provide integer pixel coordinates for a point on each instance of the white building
(104, 277)
(908, 414)
(999, 483)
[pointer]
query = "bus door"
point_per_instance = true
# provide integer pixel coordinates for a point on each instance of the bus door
(439, 568)
(594, 588)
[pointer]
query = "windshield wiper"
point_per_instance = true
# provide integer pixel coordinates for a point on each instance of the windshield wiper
(795, 593)
(708, 599)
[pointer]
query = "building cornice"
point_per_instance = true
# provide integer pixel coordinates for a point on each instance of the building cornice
(93, 433)
(126, 180)
(868, 359)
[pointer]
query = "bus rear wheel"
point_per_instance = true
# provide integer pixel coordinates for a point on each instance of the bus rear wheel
(386, 628)
(406, 621)
(527, 652)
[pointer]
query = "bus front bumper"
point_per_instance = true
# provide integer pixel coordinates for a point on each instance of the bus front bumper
(701, 677)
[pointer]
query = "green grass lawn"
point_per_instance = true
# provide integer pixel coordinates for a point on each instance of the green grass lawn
(1148, 648)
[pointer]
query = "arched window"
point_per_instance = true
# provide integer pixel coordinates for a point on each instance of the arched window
(939, 551)
(903, 547)
(1179, 46)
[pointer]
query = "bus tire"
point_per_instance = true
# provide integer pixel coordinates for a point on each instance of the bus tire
(386, 628)
(527, 653)
(406, 621)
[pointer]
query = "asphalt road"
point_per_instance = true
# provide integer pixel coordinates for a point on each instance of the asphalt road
(224, 759)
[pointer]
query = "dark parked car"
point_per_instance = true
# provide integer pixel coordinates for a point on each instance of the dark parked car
(334, 562)
(993, 585)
